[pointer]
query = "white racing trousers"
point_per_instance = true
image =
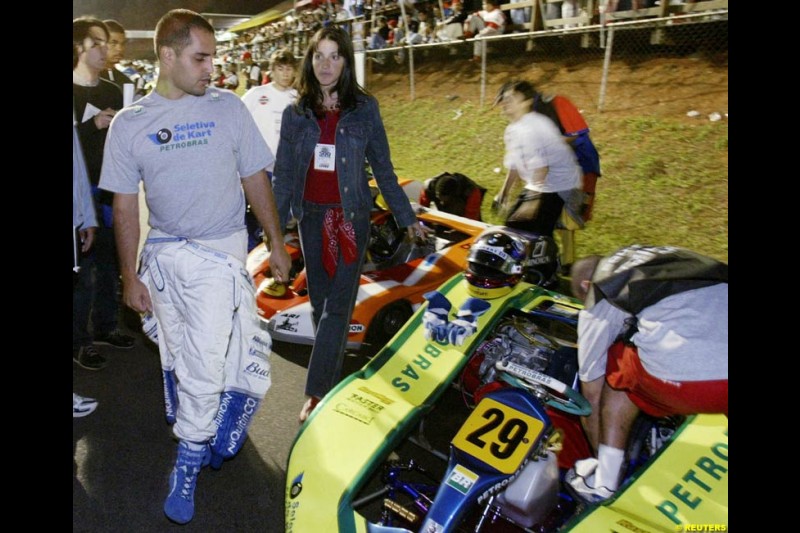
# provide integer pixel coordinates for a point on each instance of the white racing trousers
(214, 354)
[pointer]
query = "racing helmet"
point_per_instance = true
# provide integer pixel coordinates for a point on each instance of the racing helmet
(543, 263)
(384, 239)
(495, 263)
(500, 257)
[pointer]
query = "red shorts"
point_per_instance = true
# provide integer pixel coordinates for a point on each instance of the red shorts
(658, 397)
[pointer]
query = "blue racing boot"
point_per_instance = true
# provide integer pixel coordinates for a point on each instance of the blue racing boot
(179, 506)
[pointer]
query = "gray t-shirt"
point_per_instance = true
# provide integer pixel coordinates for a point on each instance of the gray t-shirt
(683, 337)
(190, 153)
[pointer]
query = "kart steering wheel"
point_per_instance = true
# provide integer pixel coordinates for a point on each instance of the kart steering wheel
(527, 378)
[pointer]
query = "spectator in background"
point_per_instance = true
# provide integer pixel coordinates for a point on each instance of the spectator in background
(413, 36)
(522, 16)
(116, 53)
(426, 26)
(95, 298)
(217, 76)
(380, 35)
(231, 81)
(252, 73)
(489, 21)
(453, 193)
(452, 27)
(538, 155)
(266, 103)
(84, 225)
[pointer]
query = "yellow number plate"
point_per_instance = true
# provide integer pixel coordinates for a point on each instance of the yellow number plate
(498, 435)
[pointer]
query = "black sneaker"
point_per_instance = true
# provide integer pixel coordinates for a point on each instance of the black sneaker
(115, 339)
(89, 358)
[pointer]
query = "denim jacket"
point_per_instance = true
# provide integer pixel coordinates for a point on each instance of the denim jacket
(359, 134)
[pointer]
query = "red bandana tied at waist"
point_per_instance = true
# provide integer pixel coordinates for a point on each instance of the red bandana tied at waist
(337, 232)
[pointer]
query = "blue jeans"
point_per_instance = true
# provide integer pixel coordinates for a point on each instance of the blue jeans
(95, 292)
(332, 299)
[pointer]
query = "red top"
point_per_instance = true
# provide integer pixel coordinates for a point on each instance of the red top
(322, 187)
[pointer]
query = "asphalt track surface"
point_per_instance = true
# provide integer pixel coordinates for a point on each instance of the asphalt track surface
(123, 452)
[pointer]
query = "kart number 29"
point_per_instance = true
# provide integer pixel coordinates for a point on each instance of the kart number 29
(499, 435)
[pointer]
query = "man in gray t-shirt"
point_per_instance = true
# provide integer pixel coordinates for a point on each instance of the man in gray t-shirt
(199, 153)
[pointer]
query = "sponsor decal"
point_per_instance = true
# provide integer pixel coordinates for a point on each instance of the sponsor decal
(709, 472)
(462, 479)
(382, 398)
(291, 507)
(297, 486)
(183, 135)
(257, 370)
(263, 99)
(411, 372)
(290, 323)
(356, 328)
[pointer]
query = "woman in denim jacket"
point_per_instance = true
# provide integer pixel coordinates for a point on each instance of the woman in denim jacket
(320, 179)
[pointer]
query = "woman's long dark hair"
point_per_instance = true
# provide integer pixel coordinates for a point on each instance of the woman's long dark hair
(347, 88)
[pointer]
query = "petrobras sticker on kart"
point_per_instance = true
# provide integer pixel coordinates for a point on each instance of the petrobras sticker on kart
(462, 479)
(431, 526)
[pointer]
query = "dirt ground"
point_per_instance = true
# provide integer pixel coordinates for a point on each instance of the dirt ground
(670, 85)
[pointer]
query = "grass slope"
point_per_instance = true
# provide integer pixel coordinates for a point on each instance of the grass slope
(665, 176)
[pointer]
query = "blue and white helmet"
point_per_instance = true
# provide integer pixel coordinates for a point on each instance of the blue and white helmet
(500, 257)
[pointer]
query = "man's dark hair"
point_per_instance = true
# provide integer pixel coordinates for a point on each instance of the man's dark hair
(284, 56)
(114, 26)
(81, 27)
(174, 29)
(347, 88)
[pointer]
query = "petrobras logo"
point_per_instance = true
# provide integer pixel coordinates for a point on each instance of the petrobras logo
(297, 486)
(183, 135)
(162, 136)
(462, 479)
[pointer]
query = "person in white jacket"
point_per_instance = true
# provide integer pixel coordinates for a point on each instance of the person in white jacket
(489, 21)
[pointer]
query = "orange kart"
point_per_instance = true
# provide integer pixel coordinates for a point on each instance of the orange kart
(396, 273)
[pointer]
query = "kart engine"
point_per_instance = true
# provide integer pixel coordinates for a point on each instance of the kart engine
(517, 340)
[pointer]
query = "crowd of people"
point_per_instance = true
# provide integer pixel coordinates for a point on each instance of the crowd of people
(376, 24)
(295, 150)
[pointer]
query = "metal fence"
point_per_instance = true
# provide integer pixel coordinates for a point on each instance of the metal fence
(623, 42)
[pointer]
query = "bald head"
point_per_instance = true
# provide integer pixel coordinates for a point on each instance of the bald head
(581, 275)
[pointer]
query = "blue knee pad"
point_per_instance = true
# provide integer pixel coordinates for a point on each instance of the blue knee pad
(236, 412)
(170, 395)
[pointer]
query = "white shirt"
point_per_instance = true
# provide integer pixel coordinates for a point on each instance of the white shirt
(534, 142)
(683, 337)
(266, 103)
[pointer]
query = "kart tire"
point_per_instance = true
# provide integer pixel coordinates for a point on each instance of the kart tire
(386, 323)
